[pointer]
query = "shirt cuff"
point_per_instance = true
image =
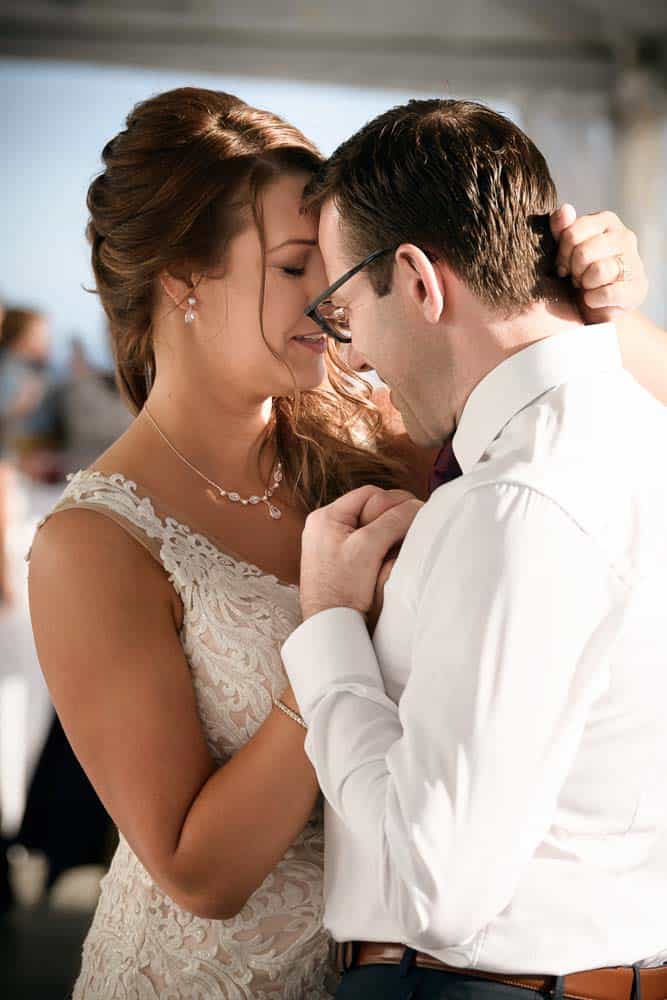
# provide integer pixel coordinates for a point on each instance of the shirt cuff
(330, 649)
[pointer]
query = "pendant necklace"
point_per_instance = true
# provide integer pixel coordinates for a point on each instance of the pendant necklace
(232, 495)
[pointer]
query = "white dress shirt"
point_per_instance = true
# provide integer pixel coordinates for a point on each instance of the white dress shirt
(495, 759)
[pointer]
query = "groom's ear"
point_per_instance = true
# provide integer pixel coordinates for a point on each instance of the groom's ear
(420, 281)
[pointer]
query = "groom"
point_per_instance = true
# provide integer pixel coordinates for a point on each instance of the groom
(494, 758)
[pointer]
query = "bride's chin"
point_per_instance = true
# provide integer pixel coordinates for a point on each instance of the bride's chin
(311, 376)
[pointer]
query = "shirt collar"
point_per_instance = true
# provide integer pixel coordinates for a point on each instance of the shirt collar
(523, 377)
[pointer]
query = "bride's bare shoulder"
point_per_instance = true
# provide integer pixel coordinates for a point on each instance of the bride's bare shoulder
(82, 559)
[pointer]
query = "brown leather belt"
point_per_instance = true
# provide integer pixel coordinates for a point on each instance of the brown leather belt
(595, 984)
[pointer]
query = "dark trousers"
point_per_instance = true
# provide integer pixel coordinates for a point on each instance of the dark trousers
(389, 982)
(6, 897)
(64, 817)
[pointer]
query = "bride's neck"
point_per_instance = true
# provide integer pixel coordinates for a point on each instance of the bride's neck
(221, 437)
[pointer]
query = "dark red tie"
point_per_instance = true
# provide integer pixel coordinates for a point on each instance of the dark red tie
(445, 468)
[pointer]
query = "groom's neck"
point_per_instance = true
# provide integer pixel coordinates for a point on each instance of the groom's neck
(487, 339)
(542, 319)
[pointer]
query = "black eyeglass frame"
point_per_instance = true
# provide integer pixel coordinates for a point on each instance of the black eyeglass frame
(312, 311)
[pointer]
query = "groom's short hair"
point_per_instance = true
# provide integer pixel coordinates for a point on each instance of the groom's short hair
(455, 178)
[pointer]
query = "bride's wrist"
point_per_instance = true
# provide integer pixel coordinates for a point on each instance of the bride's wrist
(287, 698)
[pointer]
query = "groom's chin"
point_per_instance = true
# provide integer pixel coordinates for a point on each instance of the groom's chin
(417, 434)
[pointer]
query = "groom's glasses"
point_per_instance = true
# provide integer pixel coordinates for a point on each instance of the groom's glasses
(333, 319)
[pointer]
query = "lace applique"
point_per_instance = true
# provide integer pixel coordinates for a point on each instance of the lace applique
(141, 944)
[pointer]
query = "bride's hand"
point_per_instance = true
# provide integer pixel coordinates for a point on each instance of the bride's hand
(600, 254)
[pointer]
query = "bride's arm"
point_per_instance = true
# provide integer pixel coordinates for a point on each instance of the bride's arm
(644, 350)
(106, 630)
(602, 258)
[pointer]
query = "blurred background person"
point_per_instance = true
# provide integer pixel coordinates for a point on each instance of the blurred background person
(50, 425)
(24, 700)
(92, 411)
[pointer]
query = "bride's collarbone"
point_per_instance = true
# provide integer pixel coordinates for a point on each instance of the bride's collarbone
(272, 545)
(247, 532)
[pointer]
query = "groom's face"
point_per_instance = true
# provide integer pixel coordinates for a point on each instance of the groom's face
(386, 331)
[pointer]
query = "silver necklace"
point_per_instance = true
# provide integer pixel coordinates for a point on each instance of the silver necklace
(274, 511)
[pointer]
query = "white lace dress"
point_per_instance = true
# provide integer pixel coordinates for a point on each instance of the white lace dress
(141, 945)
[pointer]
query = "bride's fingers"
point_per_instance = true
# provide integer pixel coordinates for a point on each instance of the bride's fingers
(561, 219)
(603, 272)
(585, 228)
(618, 295)
(598, 250)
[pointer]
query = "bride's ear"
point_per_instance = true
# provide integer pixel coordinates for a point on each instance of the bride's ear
(420, 281)
(175, 289)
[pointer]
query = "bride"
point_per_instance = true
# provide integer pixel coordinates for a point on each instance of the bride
(162, 591)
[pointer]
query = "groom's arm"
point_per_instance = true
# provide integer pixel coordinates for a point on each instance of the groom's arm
(455, 788)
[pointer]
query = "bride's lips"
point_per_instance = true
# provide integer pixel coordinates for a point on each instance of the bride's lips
(317, 345)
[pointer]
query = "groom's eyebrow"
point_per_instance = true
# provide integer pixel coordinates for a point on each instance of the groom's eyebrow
(296, 242)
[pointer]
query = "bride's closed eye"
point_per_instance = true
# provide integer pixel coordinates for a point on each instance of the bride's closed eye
(294, 272)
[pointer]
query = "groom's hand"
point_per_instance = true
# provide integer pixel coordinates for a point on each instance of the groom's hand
(345, 545)
(378, 597)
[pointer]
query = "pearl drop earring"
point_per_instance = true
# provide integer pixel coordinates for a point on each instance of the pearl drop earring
(190, 312)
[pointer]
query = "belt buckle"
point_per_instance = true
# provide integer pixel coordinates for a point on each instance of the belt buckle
(345, 954)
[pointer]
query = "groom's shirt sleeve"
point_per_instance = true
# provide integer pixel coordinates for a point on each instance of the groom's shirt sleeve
(514, 610)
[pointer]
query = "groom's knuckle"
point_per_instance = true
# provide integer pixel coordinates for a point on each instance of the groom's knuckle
(373, 508)
(401, 494)
(400, 517)
(413, 504)
(314, 521)
(355, 553)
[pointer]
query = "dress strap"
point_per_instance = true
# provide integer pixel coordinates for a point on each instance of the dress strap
(113, 497)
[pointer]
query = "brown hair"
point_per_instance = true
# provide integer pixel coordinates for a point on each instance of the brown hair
(14, 324)
(177, 184)
(457, 179)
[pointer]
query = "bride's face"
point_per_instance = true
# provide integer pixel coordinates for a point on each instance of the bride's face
(233, 344)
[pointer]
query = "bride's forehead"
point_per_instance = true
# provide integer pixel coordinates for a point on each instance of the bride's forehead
(282, 206)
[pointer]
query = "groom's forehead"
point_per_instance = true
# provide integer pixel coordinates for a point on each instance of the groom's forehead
(330, 239)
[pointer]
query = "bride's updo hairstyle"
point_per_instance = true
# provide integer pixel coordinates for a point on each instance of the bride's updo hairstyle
(175, 189)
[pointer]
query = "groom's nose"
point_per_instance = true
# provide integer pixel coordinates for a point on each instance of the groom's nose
(354, 358)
